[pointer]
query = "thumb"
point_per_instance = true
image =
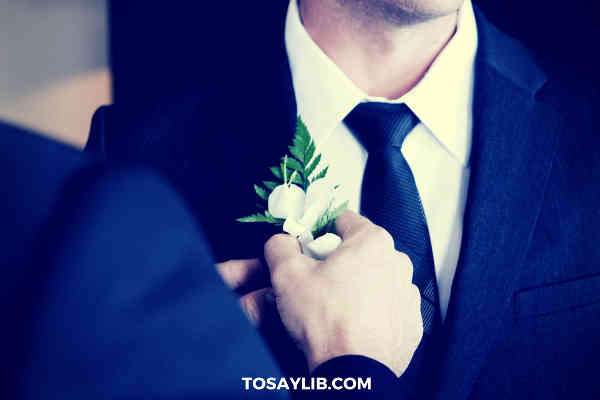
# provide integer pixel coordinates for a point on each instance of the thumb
(283, 253)
(350, 223)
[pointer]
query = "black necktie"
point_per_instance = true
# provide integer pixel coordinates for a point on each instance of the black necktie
(390, 199)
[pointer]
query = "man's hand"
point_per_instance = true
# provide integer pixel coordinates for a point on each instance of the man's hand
(250, 280)
(360, 300)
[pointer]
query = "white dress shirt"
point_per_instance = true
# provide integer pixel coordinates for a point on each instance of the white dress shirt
(437, 149)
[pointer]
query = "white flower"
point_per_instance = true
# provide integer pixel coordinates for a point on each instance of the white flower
(323, 246)
(319, 197)
(287, 201)
(305, 239)
(301, 212)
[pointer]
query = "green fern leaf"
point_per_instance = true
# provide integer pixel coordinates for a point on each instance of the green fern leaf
(297, 152)
(313, 165)
(266, 217)
(338, 211)
(320, 175)
(271, 185)
(295, 165)
(310, 152)
(271, 219)
(276, 171)
(298, 180)
(326, 222)
(262, 193)
(253, 218)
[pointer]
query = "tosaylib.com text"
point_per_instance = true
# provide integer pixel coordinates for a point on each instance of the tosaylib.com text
(306, 384)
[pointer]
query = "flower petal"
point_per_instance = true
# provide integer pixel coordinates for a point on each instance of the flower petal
(287, 201)
(304, 240)
(318, 200)
(316, 191)
(324, 246)
(294, 228)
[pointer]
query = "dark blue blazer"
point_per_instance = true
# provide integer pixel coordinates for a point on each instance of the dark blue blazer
(108, 287)
(524, 315)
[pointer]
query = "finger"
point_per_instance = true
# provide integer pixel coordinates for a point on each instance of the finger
(281, 248)
(349, 223)
(258, 305)
(285, 260)
(244, 276)
(404, 264)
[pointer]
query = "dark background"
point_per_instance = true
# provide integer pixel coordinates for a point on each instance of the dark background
(166, 47)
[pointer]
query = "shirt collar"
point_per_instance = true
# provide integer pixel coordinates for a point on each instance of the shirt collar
(442, 99)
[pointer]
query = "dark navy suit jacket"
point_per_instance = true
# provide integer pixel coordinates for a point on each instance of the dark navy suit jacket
(108, 287)
(524, 315)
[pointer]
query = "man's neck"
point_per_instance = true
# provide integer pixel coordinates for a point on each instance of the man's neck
(382, 57)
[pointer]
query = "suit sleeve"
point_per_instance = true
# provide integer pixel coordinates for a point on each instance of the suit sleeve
(383, 382)
(126, 303)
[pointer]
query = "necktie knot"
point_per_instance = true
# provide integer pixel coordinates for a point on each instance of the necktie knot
(379, 125)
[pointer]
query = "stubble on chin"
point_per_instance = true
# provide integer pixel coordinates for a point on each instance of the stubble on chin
(395, 12)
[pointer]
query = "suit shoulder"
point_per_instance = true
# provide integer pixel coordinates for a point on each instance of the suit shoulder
(508, 56)
(576, 164)
(575, 106)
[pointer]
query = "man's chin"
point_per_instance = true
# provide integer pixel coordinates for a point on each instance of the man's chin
(403, 12)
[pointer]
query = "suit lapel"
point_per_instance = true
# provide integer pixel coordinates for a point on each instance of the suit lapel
(510, 163)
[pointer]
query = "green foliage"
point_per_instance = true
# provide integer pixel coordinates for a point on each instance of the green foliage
(270, 185)
(301, 142)
(298, 168)
(303, 159)
(262, 193)
(295, 165)
(310, 152)
(338, 210)
(313, 165)
(265, 217)
(320, 175)
(276, 171)
(326, 222)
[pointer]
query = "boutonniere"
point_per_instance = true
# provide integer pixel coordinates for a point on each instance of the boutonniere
(299, 199)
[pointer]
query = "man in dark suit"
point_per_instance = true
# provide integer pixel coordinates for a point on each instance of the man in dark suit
(503, 171)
